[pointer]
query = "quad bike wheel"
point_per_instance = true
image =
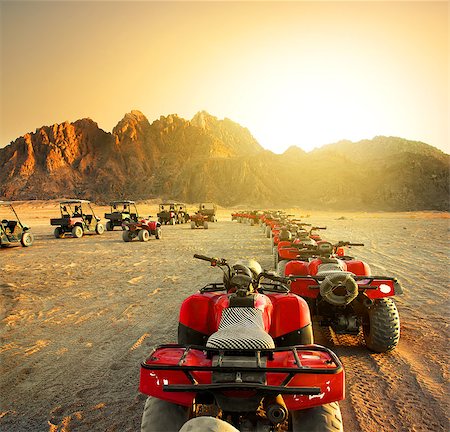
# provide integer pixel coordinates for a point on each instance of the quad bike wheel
(144, 235)
(27, 239)
(158, 233)
(109, 226)
(99, 228)
(381, 326)
(59, 232)
(160, 415)
(205, 225)
(192, 225)
(77, 231)
(341, 281)
(324, 418)
(127, 236)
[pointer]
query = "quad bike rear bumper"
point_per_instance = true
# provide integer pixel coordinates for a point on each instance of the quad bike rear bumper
(306, 376)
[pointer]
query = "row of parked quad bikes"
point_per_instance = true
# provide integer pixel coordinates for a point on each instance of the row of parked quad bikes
(246, 359)
(77, 217)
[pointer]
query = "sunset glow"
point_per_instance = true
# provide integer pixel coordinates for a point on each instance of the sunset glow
(293, 73)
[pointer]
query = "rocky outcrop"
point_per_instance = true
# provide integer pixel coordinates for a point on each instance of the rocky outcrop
(218, 160)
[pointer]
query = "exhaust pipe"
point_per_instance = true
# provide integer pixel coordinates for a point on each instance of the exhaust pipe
(276, 410)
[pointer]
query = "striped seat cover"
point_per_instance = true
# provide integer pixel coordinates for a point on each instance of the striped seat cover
(241, 328)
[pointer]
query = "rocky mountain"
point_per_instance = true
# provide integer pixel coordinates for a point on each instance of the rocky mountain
(210, 159)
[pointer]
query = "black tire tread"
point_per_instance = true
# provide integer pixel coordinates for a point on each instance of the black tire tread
(324, 418)
(160, 415)
(384, 332)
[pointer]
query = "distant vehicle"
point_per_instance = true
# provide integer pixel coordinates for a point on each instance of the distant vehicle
(142, 229)
(208, 209)
(121, 212)
(77, 218)
(12, 231)
(172, 213)
(199, 220)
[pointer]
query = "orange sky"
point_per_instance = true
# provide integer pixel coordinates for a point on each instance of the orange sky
(294, 73)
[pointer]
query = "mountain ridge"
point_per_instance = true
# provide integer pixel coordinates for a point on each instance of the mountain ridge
(219, 160)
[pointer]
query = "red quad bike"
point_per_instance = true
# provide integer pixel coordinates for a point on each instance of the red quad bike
(291, 232)
(289, 250)
(343, 294)
(245, 355)
(199, 220)
(142, 229)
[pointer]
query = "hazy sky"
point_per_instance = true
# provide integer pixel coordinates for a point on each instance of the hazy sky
(294, 73)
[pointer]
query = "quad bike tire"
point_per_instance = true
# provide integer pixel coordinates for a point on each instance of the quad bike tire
(324, 418)
(381, 326)
(281, 267)
(27, 239)
(192, 225)
(158, 233)
(109, 226)
(160, 415)
(59, 232)
(144, 235)
(205, 225)
(99, 229)
(207, 424)
(77, 231)
(126, 236)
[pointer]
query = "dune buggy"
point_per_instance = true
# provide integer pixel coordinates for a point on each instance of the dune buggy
(208, 209)
(172, 213)
(12, 231)
(77, 218)
(121, 212)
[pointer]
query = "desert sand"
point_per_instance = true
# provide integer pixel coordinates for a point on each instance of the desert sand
(79, 315)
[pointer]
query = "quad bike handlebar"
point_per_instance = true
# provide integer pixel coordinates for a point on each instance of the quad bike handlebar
(214, 261)
(254, 281)
(347, 243)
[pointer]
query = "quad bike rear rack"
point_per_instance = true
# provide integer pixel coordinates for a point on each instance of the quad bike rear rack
(283, 388)
(367, 286)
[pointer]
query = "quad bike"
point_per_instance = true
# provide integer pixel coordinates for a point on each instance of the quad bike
(121, 211)
(293, 231)
(343, 294)
(245, 356)
(287, 250)
(143, 230)
(77, 218)
(12, 231)
(199, 220)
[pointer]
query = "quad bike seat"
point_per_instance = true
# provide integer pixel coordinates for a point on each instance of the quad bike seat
(241, 328)
(331, 266)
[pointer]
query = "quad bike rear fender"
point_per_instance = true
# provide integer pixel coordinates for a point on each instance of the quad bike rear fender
(306, 376)
(373, 287)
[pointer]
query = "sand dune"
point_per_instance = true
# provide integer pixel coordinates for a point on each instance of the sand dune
(78, 316)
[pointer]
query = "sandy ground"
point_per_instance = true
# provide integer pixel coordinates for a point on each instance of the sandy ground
(78, 316)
